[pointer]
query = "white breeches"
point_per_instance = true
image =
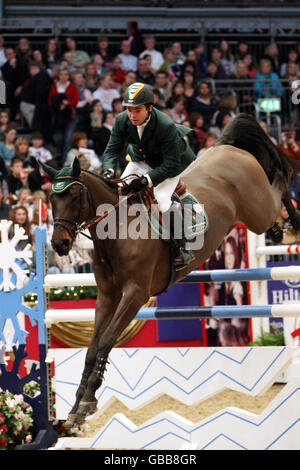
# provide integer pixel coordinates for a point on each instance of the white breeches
(162, 191)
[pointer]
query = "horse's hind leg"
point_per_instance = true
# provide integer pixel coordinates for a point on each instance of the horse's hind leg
(105, 308)
(132, 300)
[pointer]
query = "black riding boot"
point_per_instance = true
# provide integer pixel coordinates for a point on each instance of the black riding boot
(183, 253)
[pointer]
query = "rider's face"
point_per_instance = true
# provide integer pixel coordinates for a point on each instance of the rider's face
(137, 114)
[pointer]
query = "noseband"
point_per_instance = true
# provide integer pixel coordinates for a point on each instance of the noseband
(76, 224)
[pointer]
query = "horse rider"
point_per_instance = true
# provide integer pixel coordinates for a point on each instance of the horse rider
(157, 154)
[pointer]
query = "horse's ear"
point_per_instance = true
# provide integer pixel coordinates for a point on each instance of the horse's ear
(76, 167)
(49, 170)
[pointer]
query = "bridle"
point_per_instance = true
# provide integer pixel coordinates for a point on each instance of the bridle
(80, 227)
(77, 226)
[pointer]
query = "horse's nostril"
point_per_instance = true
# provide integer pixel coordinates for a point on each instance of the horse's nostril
(65, 243)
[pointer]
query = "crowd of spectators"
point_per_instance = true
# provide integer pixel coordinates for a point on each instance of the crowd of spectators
(68, 101)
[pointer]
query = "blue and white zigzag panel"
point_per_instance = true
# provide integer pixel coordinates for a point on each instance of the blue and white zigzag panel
(137, 376)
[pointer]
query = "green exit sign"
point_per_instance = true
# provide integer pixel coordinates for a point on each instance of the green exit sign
(269, 105)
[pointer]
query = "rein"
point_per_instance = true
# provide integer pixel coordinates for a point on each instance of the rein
(80, 227)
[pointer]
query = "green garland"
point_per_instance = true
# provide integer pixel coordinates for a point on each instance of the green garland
(68, 293)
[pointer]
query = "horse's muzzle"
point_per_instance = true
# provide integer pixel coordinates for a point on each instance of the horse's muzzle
(62, 246)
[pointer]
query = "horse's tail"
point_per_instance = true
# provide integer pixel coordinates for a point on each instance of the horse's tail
(245, 133)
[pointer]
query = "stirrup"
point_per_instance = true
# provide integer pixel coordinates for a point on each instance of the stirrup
(183, 259)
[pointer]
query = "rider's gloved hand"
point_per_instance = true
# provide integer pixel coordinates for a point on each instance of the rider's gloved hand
(136, 185)
(109, 174)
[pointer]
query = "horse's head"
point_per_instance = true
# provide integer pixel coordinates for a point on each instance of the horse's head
(69, 205)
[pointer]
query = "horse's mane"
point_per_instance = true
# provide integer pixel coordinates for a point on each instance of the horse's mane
(111, 184)
(245, 133)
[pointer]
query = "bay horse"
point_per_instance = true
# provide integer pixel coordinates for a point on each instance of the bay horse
(243, 179)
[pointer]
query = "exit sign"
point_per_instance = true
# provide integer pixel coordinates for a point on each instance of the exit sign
(269, 105)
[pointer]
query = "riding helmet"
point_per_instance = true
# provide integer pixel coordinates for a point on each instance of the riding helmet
(138, 94)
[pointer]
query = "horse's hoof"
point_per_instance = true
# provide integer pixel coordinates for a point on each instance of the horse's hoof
(86, 408)
(70, 422)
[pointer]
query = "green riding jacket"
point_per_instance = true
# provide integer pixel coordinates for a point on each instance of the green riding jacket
(162, 145)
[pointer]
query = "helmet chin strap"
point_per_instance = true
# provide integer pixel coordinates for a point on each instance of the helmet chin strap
(148, 116)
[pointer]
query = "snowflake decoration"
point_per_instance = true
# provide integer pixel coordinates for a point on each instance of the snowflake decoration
(11, 258)
(15, 282)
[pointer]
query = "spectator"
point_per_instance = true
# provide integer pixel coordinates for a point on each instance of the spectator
(289, 145)
(63, 98)
(135, 39)
(201, 58)
(25, 198)
(227, 59)
(178, 112)
(118, 74)
(163, 85)
(37, 57)
(216, 56)
(158, 102)
(4, 121)
(204, 103)
(37, 149)
(212, 73)
(169, 60)
(4, 208)
(269, 89)
(293, 58)
(177, 51)
(40, 84)
(117, 106)
(265, 128)
(85, 97)
(28, 94)
(228, 104)
(98, 62)
(16, 178)
(38, 180)
(7, 148)
(105, 92)
(91, 77)
(290, 84)
(156, 57)
(272, 53)
(85, 162)
(79, 58)
(80, 146)
(12, 76)
(50, 53)
(19, 215)
(242, 50)
(3, 170)
(243, 85)
(67, 61)
(177, 90)
(191, 137)
(3, 58)
(129, 78)
(208, 142)
(251, 65)
(197, 124)
(128, 60)
(189, 84)
(189, 66)
(221, 120)
(143, 74)
(101, 134)
(22, 150)
(103, 45)
(23, 53)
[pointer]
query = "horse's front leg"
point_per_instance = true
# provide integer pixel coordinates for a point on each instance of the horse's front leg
(104, 311)
(132, 300)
